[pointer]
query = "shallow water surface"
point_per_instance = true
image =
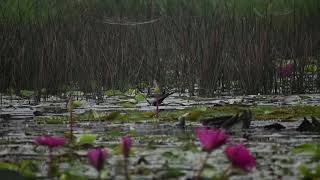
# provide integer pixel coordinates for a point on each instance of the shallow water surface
(159, 143)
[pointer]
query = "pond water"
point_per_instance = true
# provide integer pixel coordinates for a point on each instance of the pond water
(159, 147)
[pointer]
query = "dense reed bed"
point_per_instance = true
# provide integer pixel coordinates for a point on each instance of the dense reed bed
(220, 45)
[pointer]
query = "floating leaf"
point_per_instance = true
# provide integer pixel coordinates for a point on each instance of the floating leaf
(305, 171)
(50, 120)
(174, 173)
(25, 168)
(311, 68)
(110, 93)
(132, 101)
(304, 148)
(131, 92)
(10, 166)
(128, 105)
(313, 149)
(28, 169)
(112, 116)
(90, 115)
(55, 120)
(76, 104)
(157, 90)
(149, 114)
(193, 115)
(26, 93)
(140, 98)
(317, 171)
(87, 139)
(74, 172)
(169, 155)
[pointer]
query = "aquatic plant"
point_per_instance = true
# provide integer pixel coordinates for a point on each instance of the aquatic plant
(72, 105)
(27, 168)
(187, 56)
(210, 139)
(97, 159)
(240, 157)
(311, 149)
(27, 94)
(86, 139)
(311, 68)
(126, 146)
(311, 172)
(51, 142)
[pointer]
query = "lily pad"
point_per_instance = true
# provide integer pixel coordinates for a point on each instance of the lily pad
(87, 139)
(26, 93)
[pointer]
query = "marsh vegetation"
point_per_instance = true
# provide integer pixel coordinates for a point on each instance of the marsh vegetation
(162, 89)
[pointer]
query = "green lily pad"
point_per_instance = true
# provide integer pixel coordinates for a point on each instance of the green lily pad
(174, 173)
(313, 149)
(76, 104)
(140, 98)
(86, 139)
(128, 105)
(311, 68)
(110, 93)
(111, 116)
(26, 93)
(10, 166)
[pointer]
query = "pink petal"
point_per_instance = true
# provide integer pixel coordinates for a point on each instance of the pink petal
(126, 145)
(211, 139)
(240, 157)
(97, 158)
(50, 141)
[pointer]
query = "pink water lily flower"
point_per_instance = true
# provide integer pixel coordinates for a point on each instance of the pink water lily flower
(211, 139)
(126, 145)
(97, 158)
(50, 141)
(241, 157)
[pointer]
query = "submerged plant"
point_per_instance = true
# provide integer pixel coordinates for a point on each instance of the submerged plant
(240, 157)
(126, 146)
(97, 159)
(210, 139)
(51, 142)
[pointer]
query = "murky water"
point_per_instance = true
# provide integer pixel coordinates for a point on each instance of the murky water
(161, 145)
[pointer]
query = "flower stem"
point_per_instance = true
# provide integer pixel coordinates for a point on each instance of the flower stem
(203, 163)
(126, 173)
(50, 163)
